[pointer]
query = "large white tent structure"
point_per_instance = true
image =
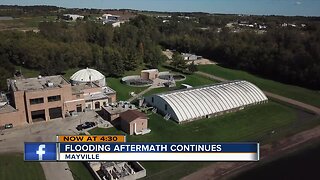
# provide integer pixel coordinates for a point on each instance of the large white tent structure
(87, 76)
(207, 101)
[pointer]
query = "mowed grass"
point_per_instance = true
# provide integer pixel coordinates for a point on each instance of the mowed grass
(12, 166)
(193, 80)
(123, 90)
(245, 125)
(251, 124)
(80, 171)
(68, 73)
(28, 73)
(298, 93)
(26, 22)
(108, 131)
(196, 80)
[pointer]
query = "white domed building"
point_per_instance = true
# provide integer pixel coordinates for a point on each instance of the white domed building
(87, 76)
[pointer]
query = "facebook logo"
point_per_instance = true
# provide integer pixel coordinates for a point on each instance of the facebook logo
(40, 151)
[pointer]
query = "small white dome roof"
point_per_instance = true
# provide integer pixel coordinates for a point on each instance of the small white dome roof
(87, 75)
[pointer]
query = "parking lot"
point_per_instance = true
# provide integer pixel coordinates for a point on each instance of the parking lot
(12, 140)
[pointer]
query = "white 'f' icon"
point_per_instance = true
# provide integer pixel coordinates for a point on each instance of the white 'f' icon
(41, 151)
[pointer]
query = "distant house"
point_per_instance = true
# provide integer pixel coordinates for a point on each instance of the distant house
(190, 57)
(72, 17)
(134, 122)
(114, 20)
(110, 18)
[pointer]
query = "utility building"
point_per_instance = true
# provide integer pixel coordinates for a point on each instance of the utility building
(207, 101)
(134, 122)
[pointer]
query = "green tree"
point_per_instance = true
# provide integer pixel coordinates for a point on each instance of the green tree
(178, 61)
(113, 63)
(192, 67)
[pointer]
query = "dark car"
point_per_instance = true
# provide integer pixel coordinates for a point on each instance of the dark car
(8, 126)
(85, 125)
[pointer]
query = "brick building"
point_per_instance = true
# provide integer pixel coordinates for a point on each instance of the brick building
(50, 97)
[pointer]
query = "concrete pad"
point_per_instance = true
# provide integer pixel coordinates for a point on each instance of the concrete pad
(56, 170)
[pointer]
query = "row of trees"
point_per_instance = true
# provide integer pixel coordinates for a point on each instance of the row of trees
(60, 46)
(284, 54)
(290, 55)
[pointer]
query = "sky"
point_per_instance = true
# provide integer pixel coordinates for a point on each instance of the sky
(256, 7)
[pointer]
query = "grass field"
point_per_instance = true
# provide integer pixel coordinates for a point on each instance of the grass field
(253, 124)
(193, 80)
(298, 93)
(28, 73)
(196, 80)
(101, 131)
(25, 22)
(70, 72)
(80, 171)
(123, 90)
(13, 167)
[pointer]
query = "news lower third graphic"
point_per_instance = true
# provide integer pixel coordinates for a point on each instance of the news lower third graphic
(114, 148)
(40, 151)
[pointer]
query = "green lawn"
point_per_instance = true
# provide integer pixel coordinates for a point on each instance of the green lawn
(26, 22)
(108, 131)
(80, 171)
(252, 124)
(12, 166)
(70, 72)
(28, 73)
(123, 90)
(196, 80)
(193, 80)
(294, 92)
(246, 125)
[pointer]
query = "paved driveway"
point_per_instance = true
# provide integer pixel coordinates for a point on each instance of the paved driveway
(13, 140)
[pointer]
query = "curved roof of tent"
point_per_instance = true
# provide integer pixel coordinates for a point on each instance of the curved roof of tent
(195, 103)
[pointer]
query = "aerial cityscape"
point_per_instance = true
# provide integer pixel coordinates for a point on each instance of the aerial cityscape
(158, 89)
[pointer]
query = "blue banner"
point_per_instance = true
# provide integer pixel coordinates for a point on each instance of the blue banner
(40, 151)
(160, 147)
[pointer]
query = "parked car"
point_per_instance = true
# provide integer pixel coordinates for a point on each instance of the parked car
(85, 125)
(8, 126)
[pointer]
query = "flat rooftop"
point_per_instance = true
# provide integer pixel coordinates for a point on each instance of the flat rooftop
(38, 83)
(150, 70)
(117, 108)
(7, 109)
(78, 88)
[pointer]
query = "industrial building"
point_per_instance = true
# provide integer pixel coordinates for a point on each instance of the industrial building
(111, 112)
(149, 74)
(88, 75)
(117, 170)
(134, 122)
(206, 101)
(44, 98)
(126, 117)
